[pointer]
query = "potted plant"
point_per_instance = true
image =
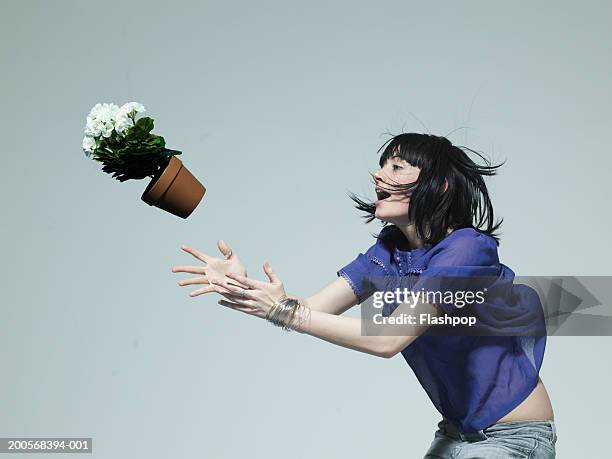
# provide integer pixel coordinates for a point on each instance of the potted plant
(128, 150)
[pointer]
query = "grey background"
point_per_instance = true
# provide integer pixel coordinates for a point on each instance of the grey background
(279, 108)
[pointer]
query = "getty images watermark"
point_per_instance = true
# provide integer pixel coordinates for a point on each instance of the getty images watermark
(503, 305)
(456, 299)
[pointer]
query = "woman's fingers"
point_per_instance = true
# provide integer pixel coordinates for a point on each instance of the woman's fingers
(196, 253)
(194, 280)
(202, 290)
(188, 269)
(219, 288)
(227, 282)
(247, 282)
(236, 299)
(212, 288)
(238, 306)
(238, 292)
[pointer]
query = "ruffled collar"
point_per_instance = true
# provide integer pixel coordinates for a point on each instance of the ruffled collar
(412, 251)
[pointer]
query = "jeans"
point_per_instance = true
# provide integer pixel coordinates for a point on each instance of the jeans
(517, 439)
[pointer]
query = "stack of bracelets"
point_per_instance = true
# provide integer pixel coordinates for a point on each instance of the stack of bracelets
(288, 313)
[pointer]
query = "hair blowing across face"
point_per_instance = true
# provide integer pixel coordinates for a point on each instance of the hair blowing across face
(464, 204)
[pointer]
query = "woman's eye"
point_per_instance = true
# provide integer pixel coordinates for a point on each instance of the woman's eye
(395, 167)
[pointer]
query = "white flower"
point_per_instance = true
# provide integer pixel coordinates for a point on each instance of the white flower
(89, 145)
(101, 120)
(131, 107)
(106, 117)
(122, 124)
(92, 128)
(125, 114)
(102, 111)
(107, 128)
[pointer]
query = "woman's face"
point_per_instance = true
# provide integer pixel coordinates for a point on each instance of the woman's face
(392, 205)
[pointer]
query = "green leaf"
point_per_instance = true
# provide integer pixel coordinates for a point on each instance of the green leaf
(144, 124)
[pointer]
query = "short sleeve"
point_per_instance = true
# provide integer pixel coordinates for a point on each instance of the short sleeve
(356, 273)
(460, 270)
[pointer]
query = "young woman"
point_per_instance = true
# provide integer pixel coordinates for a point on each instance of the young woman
(438, 221)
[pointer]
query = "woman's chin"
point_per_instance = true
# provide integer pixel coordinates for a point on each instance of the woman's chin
(383, 217)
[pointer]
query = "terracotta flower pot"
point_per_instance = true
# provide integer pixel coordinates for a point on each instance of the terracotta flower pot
(174, 190)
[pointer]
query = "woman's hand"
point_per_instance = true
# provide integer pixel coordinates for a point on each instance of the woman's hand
(215, 269)
(256, 297)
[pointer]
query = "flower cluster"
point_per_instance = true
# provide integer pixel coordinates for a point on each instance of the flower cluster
(104, 118)
(124, 145)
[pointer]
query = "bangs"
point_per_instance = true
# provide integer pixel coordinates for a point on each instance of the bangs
(415, 149)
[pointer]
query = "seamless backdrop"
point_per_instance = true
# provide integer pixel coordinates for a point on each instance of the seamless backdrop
(279, 109)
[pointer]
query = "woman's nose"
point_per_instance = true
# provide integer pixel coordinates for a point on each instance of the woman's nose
(379, 176)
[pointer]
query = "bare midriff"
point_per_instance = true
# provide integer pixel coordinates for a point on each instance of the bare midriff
(536, 407)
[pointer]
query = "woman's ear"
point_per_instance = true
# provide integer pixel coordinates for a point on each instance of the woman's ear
(445, 185)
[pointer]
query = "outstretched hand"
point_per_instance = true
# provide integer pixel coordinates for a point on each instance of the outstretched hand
(215, 269)
(255, 297)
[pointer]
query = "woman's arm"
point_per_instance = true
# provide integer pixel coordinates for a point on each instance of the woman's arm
(259, 297)
(347, 331)
(335, 298)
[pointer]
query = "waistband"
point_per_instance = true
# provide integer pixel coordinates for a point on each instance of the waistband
(545, 429)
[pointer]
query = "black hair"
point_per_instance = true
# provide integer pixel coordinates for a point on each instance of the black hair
(466, 202)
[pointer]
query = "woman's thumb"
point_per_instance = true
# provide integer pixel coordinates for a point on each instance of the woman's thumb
(224, 248)
(271, 274)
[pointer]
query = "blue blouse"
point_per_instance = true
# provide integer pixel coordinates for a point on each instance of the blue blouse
(472, 380)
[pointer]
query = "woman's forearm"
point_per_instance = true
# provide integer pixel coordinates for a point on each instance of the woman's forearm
(312, 303)
(335, 298)
(346, 332)
(263, 301)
